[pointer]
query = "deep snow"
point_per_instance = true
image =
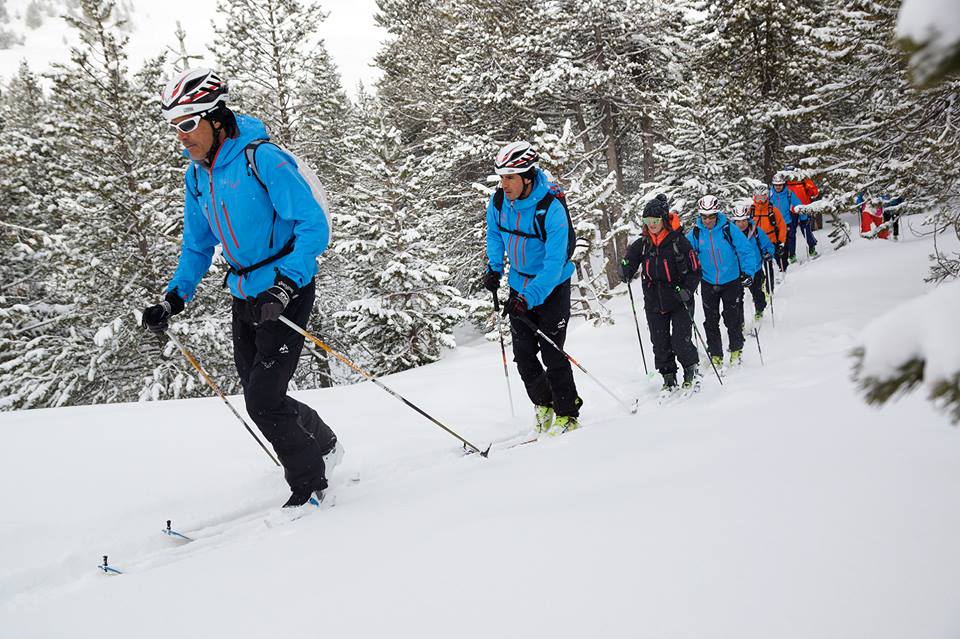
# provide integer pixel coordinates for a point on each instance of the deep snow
(776, 506)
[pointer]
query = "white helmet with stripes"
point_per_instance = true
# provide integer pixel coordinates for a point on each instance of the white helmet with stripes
(708, 205)
(740, 212)
(516, 157)
(191, 92)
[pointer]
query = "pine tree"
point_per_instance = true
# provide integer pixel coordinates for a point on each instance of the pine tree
(407, 313)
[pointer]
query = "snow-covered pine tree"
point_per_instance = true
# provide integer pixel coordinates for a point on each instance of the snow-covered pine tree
(117, 194)
(406, 315)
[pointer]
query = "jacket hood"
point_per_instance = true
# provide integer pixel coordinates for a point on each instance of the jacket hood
(249, 129)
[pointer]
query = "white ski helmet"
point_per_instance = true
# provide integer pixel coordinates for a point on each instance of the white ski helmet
(192, 91)
(779, 178)
(708, 205)
(761, 195)
(516, 157)
(740, 213)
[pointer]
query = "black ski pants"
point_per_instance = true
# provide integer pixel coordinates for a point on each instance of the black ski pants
(731, 296)
(555, 386)
(266, 357)
(671, 334)
(757, 290)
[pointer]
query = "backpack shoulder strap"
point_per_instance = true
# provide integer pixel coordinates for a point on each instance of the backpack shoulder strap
(250, 151)
(498, 199)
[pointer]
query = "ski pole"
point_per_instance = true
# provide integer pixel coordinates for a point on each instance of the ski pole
(636, 322)
(543, 336)
(372, 378)
(756, 334)
(216, 389)
(703, 344)
(503, 351)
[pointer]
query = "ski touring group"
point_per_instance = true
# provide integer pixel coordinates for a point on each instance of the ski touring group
(264, 208)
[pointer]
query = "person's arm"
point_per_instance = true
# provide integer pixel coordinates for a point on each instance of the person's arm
(196, 251)
(691, 267)
(781, 225)
(293, 200)
(554, 258)
(748, 256)
(495, 246)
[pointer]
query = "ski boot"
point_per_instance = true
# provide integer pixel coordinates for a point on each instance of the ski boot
(736, 358)
(793, 259)
(544, 417)
(691, 381)
(717, 360)
(758, 316)
(563, 424)
(669, 386)
(813, 253)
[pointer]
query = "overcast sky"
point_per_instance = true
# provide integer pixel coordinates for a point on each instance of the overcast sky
(349, 33)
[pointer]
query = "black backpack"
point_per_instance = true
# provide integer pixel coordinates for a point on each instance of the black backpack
(540, 217)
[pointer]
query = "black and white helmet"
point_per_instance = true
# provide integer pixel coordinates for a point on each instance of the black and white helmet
(192, 91)
(708, 205)
(516, 157)
(779, 178)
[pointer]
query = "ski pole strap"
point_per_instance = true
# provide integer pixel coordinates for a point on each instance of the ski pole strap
(240, 272)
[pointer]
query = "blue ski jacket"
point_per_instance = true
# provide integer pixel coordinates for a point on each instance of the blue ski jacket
(785, 201)
(760, 244)
(536, 266)
(226, 205)
(723, 251)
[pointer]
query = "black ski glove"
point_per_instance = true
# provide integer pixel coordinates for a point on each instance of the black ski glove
(627, 270)
(268, 305)
(778, 251)
(746, 280)
(491, 280)
(684, 294)
(155, 318)
(767, 257)
(516, 306)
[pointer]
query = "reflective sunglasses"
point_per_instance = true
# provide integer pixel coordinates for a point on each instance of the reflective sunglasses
(652, 220)
(186, 126)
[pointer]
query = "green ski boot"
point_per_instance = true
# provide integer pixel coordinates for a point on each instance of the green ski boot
(563, 424)
(736, 358)
(544, 417)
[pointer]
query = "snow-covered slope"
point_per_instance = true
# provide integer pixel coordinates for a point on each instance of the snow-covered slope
(778, 505)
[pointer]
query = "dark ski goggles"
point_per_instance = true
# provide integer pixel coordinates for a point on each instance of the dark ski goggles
(187, 125)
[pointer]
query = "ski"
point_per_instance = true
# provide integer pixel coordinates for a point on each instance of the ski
(173, 533)
(106, 568)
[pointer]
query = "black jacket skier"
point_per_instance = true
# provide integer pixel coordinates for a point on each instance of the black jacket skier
(670, 274)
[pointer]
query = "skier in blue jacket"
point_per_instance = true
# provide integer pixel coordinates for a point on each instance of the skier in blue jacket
(527, 220)
(762, 250)
(728, 265)
(270, 234)
(790, 206)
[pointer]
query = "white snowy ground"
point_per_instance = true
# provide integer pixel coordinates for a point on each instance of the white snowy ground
(776, 506)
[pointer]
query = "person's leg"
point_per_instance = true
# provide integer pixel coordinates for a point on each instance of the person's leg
(732, 296)
(681, 337)
(663, 354)
(792, 237)
(711, 322)
(807, 228)
(551, 318)
(298, 435)
(756, 290)
(526, 345)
